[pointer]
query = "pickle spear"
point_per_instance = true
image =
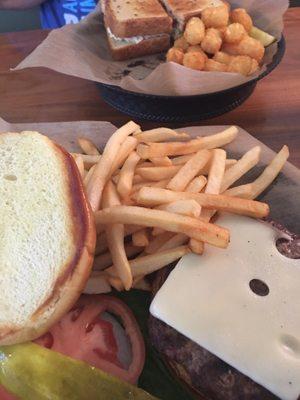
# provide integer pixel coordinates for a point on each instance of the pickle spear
(33, 372)
(263, 37)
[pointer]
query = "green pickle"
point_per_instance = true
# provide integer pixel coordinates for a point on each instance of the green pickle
(33, 372)
(263, 37)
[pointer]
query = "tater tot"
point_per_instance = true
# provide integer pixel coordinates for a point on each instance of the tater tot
(181, 44)
(241, 16)
(222, 31)
(194, 31)
(234, 33)
(242, 64)
(222, 57)
(175, 55)
(196, 48)
(215, 66)
(254, 66)
(246, 47)
(226, 4)
(215, 17)
(212, 41)
(194, 60)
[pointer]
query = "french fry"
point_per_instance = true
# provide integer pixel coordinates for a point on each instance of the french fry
(196, 246)
(105, 260)
(115, 238)
(181, 148)
(196, 185)
(161, 161)
(102, 246)
(137, 179)
(130, 229)
(270, 172)
(157, 231)
(255, 188)
(243, 191)
(145, 164)
(124, 185)
(159, 184)
(216, 171)
(88, 147)
(138, 186)
(160, 135)
(115, 177)
(189, 170)
(126, 148)
(214, 181)
(248, 161)
(180, 160)
(88, 175)
(145, 265)
(116, 283)
(183, 207)
(140, 238)
(157, 173)
(192, 227)
(80, 165)
(156, 243)
(102, 261)
(228, 163)
(128, 201)
(141, 284)
(176, 240)
(97, 284)
(149, 196)
(88, 160)
(104, 167)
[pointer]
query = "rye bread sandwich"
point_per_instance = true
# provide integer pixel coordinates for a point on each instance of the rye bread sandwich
(136, 28)
(47, 235)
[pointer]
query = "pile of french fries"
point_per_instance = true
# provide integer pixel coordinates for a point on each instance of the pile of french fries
(155, 196)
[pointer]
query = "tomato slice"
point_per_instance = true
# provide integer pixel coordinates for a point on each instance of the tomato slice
(85, 334)
(4, 395)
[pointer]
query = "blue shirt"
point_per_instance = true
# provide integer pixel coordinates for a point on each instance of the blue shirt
(56, 13)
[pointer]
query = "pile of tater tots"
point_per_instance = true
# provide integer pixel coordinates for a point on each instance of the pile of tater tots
(219, 41)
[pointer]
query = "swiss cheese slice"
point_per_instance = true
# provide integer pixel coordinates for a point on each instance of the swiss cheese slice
(209, 299)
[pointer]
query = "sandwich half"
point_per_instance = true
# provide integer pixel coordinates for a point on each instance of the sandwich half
(136, 27)
(47, 235)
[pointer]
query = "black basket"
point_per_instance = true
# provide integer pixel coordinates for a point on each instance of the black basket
(184, 108)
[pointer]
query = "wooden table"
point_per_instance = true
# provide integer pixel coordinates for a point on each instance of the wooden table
(272, 113)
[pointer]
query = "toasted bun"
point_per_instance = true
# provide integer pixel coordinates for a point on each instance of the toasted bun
(134, 17)
(147, 46)
(47, 235)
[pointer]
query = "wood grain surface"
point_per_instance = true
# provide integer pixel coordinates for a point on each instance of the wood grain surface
(272, 113)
